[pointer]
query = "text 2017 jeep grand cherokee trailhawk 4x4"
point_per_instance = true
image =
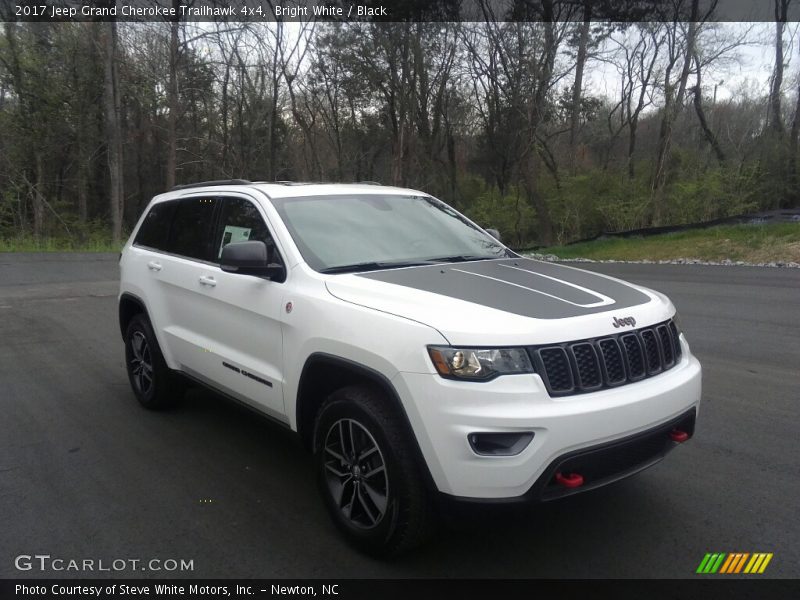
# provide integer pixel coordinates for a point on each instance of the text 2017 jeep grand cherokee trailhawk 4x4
(414, 354)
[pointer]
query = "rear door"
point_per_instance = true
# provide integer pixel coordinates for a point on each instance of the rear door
(181, 272)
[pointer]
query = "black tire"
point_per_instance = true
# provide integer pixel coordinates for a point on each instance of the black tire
(154, 384)
(363, 417)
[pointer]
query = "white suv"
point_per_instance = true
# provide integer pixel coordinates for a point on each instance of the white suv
(417, 357)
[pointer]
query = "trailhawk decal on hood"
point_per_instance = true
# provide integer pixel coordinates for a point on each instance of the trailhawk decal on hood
(521, 286)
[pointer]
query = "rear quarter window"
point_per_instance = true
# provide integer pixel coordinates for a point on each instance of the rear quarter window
(154, 231)
(191, 226)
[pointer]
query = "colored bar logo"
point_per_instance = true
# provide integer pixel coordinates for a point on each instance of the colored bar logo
(734, 563)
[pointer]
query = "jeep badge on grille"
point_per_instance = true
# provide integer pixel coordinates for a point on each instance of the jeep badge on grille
(625, 321)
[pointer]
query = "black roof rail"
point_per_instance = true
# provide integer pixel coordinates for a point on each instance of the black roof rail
(289, 182)
(209, 183)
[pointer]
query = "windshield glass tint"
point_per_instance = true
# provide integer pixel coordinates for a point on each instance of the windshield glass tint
(337, 231)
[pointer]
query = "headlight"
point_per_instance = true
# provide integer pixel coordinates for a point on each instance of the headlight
(479, 364)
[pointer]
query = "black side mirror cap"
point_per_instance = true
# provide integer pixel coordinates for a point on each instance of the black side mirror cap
(250, 258)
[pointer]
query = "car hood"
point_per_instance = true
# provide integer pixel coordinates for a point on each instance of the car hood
(505, 301)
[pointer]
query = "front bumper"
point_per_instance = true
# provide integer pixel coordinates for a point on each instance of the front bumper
(443, 412)
(609, 462)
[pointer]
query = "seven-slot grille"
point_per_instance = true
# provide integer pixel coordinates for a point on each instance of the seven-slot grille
(598, 363)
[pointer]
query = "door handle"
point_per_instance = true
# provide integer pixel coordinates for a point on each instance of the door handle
(154, 266)
(209, 281)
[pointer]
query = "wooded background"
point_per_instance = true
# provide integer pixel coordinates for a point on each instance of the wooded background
(493, 117)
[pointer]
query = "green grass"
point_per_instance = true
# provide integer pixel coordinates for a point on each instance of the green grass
(58, 244)
(749, 243)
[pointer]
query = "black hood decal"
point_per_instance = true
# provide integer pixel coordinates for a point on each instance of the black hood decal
(521, 286)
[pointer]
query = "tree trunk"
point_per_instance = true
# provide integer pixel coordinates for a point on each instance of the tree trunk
(634, 124)
(141, 197)
(224, 101)
(580, 62)
(83, 195)
(691, 39)
(172, 99)
(38, 199)
(273, 113)
(660, 174)
(539, 203)
(701, 116)
(793, 179)
(672, 107)
(113, 134)
(84, 161)
(776, 120)
(83, 136)
(529, 167)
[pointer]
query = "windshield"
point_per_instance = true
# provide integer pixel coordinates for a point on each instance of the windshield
(367, 232)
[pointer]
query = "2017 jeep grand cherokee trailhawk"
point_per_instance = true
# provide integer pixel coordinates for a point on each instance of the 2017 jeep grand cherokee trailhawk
(414, 353)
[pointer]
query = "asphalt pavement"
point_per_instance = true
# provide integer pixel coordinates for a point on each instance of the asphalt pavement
(85, 473)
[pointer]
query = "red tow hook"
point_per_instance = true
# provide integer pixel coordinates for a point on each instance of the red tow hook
(676, 435)
(572, 480)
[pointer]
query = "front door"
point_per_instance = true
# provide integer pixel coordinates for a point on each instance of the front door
(243, 315)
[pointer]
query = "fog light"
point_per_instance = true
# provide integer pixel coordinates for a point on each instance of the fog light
(499, 444)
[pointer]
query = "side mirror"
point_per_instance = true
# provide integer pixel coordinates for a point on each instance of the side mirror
(494, 233)
(250, 258)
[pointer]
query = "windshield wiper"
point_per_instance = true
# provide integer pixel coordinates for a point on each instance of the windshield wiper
(373, 266)
(459, 258)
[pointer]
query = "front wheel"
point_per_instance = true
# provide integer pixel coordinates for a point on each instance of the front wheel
(154, 384)
(368, 473)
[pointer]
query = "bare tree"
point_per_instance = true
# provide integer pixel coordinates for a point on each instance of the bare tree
(577, 86)
(635, 54)
(775, 94)
(512, 75)
(681, 42)
(701, 115)
(113, 129)
(490, 115)
(292, 60)
(793, 179)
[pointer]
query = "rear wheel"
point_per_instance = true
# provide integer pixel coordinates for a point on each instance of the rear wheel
(153, 383)
(368, 473)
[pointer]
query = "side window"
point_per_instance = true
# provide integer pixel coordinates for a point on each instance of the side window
(191, 226)
(241, 222)
(155, 228)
